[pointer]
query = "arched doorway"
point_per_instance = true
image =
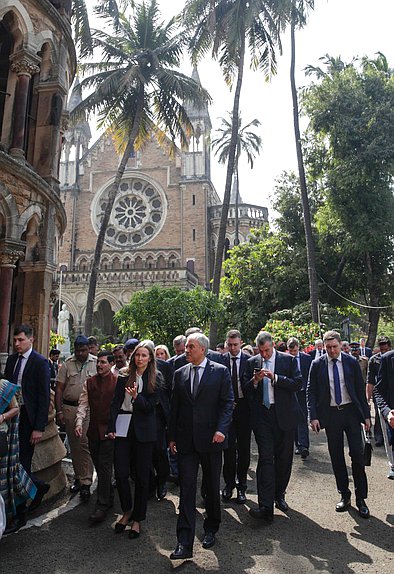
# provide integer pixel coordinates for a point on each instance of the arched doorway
(103, 319)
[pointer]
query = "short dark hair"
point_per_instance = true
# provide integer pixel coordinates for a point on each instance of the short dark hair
(24, 328)
(92, 340)
(118, 348)
(108, 354)
(330, 335)
(233, 334)
(293, 342)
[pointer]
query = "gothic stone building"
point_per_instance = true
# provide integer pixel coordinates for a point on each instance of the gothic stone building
(37, 66)
(164, 224)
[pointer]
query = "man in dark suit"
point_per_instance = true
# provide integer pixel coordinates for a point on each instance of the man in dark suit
(365, 351)
(181, 360)
(304, 362)
(31, 371)
(337, 402)
(270, 382)
(318, 351)
(237, 455)
(178, 344)
(201, 410)
(384, 395)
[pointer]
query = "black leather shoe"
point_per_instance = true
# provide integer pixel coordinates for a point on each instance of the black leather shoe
(241, 496)
(209, 540)
(16, 525)
(133, 534)
(97, 516)
(161, 491)
(84, 492)
(262, 513)
(74, 488)
(281, 504)
(304, 453)
(42, 489)
(227, 493)
(363, 509)
(379, 442)
(297, 450)
(343, 504)
(181, 553)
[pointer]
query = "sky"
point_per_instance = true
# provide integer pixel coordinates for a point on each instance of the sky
(345, 28)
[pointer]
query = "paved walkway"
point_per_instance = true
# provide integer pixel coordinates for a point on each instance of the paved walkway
(312, 537)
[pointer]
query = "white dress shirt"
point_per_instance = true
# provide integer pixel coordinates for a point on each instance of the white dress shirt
(344, 392)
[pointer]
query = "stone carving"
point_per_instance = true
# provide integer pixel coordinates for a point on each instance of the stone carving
(64, 317)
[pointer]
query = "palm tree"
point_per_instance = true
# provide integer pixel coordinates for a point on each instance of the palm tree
(247, 141)
(298, 19)
(138, 91)
(225, 28)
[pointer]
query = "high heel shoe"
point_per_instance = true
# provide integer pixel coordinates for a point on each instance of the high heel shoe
(134, 533)
(119, 527)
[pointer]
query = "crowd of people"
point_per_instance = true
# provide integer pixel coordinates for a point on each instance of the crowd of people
(139, 416)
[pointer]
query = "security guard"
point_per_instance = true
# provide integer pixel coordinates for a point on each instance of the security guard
(69, 384)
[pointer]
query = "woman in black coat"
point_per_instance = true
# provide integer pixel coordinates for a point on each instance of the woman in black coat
(135, 395)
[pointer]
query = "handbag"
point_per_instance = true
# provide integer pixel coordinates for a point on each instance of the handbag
(367, 448)
(3, 443)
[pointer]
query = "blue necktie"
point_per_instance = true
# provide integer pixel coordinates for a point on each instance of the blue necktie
(337, 384)
(266, 382)
(17, 369)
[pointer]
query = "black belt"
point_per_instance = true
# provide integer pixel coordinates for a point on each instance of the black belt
(341, 407)
(70, 403)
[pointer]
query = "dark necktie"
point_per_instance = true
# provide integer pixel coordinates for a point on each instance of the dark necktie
(17, 369)
(266, 394)
(337, 384)
(234, 378)
(196, 381)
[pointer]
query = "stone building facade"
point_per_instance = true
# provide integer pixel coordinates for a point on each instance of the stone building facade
(163, 226)
(37, 67)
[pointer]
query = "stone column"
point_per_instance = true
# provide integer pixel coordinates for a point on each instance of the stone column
(24, 68)
(7, 266)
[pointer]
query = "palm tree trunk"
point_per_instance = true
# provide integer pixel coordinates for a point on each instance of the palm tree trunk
(230, 172)
(236, 238)
(310, 245)
(107, 213)
(217, 270)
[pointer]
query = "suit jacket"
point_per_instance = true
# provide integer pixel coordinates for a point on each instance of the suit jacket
(193, 422)
(166, 371)
(305, 364)
(318, 389)
(227, 362)
(181, 361)
(384, 388)
(144, 417)
(36, 384)
(313, 353)
(289, 381)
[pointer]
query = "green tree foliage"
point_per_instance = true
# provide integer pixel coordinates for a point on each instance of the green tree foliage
(162, 313)
(351, 108)
(282, 330)
(262, 276)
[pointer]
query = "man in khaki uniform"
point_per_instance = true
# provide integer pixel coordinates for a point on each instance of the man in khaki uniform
(69, 384)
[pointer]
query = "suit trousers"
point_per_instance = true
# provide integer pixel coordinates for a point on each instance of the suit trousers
(236, 458)
(345, 421)
(275, 448)
(26, 450)
(102, 453)
(302, 434)
(188, 464)
(79, 447)
(160, 458)
(131, 452)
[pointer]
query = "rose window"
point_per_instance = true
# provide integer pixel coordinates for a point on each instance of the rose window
(137, 215)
